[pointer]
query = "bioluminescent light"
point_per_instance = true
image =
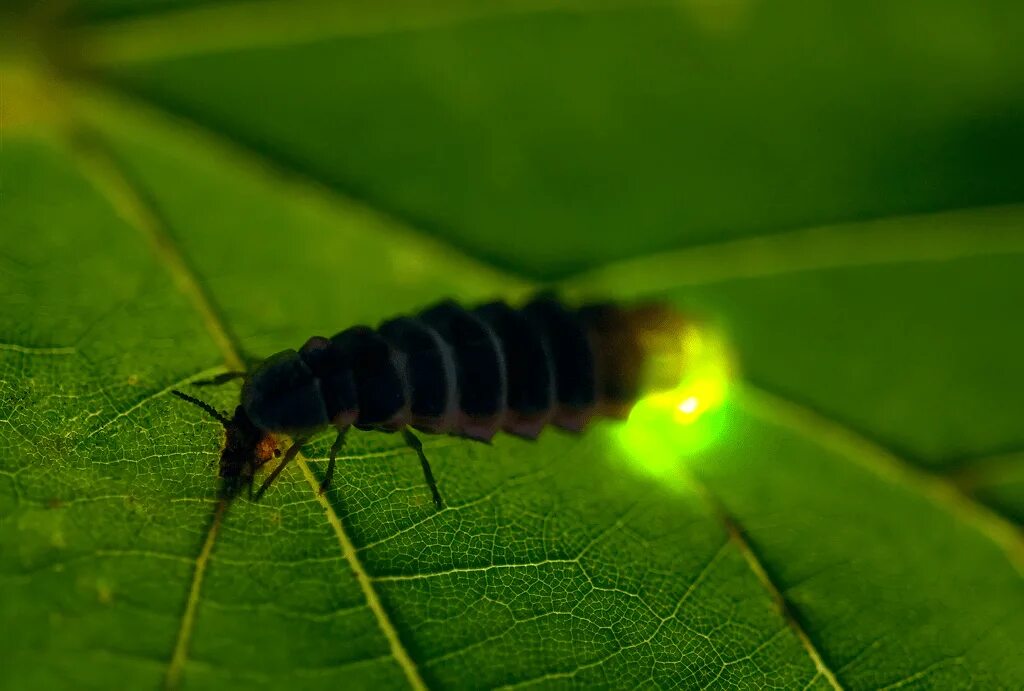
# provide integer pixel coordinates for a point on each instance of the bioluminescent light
(672, 426)
(688, 407)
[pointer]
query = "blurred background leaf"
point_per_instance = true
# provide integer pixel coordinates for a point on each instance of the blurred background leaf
(548, 137)
(836, 187)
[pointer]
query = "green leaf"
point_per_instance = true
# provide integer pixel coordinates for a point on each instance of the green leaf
(638, 125)
(849, 517)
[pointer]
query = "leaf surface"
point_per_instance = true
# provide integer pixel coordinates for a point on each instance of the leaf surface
(855, 522)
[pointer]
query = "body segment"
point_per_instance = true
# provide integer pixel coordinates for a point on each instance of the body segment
(465, 372)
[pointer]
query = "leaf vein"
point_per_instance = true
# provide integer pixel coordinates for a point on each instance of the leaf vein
(917, 238)
(940, 491)
(737, 538)
(572, 673)
(321, 198)
(398, 651)
(37, 350)
(132, 204)
(471, 569)
(180, 655)
(146, 399)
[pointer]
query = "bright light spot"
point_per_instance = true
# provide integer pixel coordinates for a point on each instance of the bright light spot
(671, 428)
(688, 406)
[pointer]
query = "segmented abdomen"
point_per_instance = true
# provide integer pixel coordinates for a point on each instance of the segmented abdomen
(473, 372)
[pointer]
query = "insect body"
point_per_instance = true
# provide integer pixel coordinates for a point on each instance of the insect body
(451, 370)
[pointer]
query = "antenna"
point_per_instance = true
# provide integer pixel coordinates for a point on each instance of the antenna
(213, 412)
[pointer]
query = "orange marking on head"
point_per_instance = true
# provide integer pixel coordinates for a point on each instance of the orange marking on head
(266, 449)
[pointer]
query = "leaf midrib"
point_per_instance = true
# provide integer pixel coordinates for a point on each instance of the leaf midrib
(373, 601)
(737, 537)
(131, 204)
(179, 657)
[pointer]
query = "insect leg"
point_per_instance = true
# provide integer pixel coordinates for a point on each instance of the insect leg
(339, 441)
(220, 379)
(413, 441)
(293, 450)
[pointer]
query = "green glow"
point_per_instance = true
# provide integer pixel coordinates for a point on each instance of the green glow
(669, 429)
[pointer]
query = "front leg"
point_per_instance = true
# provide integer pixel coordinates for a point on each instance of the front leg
(292, 452)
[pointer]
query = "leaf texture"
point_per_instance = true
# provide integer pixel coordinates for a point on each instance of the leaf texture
(854, 524)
